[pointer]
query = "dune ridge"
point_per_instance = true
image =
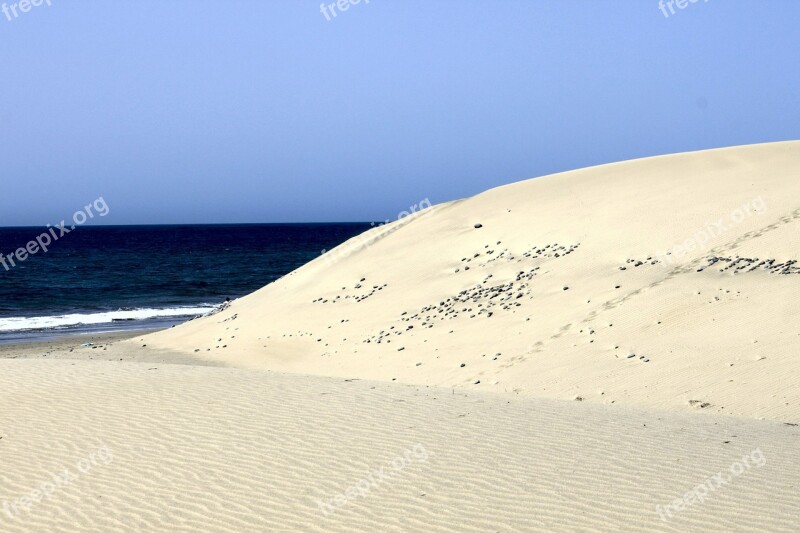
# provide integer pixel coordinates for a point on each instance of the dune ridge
(669, 282)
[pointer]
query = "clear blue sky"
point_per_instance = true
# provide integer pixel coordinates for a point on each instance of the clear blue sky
(264, 111)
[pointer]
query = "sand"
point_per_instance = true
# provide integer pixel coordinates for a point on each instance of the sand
(102, 347)
(561, 293)
(190, 448)
(540, 357)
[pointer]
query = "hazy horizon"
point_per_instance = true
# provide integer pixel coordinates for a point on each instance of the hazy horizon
(188, 112)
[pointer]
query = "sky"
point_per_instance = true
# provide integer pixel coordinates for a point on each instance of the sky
(191, 111)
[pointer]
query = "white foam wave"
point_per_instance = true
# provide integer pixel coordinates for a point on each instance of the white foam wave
(73, 320)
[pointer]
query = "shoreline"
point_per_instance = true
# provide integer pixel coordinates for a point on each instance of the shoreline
(81, 329)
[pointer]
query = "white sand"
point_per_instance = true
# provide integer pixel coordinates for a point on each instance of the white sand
(216, 449)
(482, 408)
(727, 341)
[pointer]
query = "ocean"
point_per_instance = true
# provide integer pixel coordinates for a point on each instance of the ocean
(116, 278)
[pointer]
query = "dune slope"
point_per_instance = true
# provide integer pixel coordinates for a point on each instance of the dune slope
(667, 282)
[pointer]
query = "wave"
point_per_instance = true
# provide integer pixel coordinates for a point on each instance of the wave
(42, 323)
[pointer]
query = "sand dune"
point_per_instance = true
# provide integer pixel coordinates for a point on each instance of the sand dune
(423, 376)
(668, 282)
(183, 448)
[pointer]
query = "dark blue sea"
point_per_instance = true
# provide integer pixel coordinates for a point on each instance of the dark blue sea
(114, 278)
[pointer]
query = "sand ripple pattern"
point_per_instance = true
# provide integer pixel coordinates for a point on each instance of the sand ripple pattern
(218, 449)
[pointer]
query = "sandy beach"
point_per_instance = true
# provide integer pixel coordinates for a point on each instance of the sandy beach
(608, 349)
(420, 266)
(96, 348)
(187, 448)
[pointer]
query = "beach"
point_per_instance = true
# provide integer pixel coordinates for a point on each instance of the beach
(609, 349)
(94, 348)
(187, 448)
